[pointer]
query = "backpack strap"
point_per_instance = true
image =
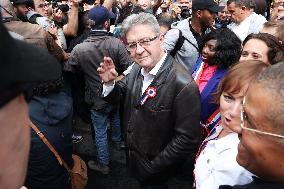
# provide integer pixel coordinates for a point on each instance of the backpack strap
(179, 44)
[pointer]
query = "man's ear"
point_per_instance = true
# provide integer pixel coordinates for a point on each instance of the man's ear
(243, 8)
(161, 37)
(199, 13)
(106, 24)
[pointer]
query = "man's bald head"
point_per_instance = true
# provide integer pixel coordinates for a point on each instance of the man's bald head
(271, 82)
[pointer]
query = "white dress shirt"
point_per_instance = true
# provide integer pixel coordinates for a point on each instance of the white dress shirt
(216, 165)
(148, 77)
(242, 29)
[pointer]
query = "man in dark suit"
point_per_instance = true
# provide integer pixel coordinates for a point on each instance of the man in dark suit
(161, 107)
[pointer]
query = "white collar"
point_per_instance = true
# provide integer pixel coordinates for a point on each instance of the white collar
(154, 70)
(246, 20)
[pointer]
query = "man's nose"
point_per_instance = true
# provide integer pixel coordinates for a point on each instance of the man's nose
(139, 49)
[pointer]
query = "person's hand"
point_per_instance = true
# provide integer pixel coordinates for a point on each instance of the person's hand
(75, 3)
(277, 3)
(107, 71)
(53, 31)
(57, 15)
(66, 56)
(176, 11)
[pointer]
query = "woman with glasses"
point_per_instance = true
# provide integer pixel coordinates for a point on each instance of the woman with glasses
(216, 160)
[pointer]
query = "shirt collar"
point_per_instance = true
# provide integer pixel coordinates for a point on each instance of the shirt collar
(155, 70)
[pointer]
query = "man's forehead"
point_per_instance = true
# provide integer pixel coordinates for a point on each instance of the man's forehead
(135, 34)
(257, 99)
(39, 1)
(232, 5)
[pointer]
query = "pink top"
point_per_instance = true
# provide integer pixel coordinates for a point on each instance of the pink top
(206, 74)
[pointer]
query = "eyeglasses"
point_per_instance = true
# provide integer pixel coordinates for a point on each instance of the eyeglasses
(245, 121)
(43, 5)
(142, 42)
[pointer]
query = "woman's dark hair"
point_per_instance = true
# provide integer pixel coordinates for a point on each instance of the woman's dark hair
(275, 53)
(228, 47)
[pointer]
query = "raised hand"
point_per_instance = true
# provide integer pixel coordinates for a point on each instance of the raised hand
(107, 70)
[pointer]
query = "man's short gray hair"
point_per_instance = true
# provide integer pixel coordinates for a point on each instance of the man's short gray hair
(138, 19)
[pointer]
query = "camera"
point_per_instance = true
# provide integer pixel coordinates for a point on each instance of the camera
(63, 7)
(185, 12)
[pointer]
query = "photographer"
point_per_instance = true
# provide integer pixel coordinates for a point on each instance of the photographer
(38, 14)
(185, 6)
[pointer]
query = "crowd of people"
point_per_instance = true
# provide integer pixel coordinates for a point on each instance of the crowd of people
(188, 88)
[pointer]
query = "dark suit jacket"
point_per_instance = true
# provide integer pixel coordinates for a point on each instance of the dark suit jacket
(162, 133)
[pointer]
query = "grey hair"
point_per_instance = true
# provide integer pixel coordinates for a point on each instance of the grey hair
(138, 19)
(247, 3)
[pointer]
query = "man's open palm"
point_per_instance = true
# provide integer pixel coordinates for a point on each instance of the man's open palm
(107, 70)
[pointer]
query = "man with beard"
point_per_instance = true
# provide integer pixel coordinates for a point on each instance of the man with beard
(244, 21)
(21, 9)
(185, 37)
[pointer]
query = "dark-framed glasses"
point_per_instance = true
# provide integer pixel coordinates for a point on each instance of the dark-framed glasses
(245, 123)
(142, 42)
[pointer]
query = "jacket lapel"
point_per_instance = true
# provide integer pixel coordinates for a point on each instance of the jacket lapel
(161, 76)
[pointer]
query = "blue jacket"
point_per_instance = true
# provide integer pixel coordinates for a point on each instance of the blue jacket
(208, 107)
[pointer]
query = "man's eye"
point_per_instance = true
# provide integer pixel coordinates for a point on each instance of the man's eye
(144, 41)
(132, 45)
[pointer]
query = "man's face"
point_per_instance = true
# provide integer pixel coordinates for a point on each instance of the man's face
(184, 3)
(14, 143)
(207, 18)
(147, 55)
(21, 11)
(41, 7)
(259, 153)
(235, 12)
(144, 4)
(223, 14)
(166, 4)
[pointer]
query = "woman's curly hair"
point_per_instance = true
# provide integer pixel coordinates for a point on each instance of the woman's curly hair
(228, 47)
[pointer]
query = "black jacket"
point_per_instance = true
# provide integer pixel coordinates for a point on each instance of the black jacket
(88, 56)
(162, 133)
